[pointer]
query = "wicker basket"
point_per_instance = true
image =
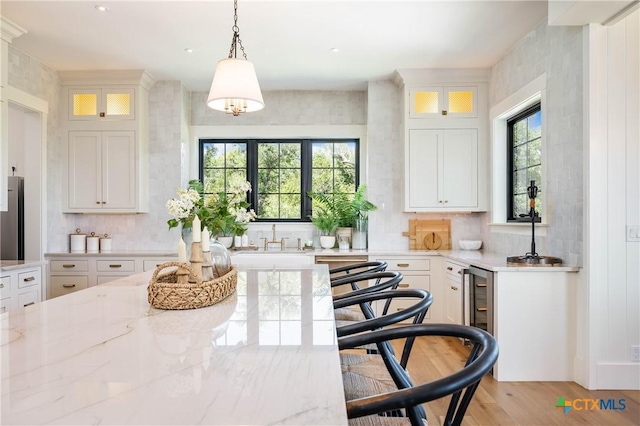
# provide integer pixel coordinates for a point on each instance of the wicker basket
(166, 293)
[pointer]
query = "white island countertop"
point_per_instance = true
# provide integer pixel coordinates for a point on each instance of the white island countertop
(267, 354)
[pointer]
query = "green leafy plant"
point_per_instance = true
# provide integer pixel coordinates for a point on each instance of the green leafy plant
(325, 221)
(345, 207)
(222, 213)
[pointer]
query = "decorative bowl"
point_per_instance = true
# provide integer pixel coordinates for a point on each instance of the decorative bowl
(470, 244)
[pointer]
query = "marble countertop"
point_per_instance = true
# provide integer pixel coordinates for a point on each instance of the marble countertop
(267, 354)
(8, 265)
(479, 258)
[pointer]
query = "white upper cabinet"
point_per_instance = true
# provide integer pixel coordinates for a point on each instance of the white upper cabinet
(443, 169)
(102, 171)
(446, 122)
(107, 141)
(443, 102)
(101, 104)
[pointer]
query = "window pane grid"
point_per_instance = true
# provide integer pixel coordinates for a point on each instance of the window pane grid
(281, 172)
(525, 138)
(223, 164)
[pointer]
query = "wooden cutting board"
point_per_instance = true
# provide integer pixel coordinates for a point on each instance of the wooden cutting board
(429, 234)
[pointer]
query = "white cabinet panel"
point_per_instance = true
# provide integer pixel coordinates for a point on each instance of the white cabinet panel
(102, 171)
(443, 170)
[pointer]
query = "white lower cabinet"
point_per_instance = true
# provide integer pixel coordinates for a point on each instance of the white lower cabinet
(417, 274)
(454, 292)
(20, 287)
(68, 274)
(65, 284)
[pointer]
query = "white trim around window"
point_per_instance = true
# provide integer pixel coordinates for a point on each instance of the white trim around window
(530, 94)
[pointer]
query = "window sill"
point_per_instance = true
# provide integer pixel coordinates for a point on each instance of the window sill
(518, 228)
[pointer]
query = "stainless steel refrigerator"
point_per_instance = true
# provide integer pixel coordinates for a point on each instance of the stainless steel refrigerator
(12, 222)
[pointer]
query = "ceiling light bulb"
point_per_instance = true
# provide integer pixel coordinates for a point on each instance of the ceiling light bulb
(188, 50)
(101, 8)
(334, 50)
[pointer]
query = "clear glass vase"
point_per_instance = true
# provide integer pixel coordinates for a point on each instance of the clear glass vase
(220, 259)
(359, 238)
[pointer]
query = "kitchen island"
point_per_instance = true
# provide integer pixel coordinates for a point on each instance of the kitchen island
(267, 354)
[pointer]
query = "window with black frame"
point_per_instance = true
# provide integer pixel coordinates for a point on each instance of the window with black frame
(281, 171)
(524, 158)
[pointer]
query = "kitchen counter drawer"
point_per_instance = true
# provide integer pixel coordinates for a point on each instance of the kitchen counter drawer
(69, 265)
(61, 284)
(30, 278)
(5, 286)
(454, 269)
(28, 298)
(116, 266)
(407, 264)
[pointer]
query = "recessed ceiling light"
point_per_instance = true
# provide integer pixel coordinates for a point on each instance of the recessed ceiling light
(188, 50)
(101, 8)
(334, 50)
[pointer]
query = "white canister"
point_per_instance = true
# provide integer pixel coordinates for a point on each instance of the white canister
(245, 240)
(105, 243)
(237, 241)
(78, 242)
(93, 243)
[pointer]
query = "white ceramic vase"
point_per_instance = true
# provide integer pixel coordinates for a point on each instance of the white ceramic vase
(327, 241)
(226, 241)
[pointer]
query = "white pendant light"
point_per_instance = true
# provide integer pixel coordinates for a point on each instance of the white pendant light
(235, 88)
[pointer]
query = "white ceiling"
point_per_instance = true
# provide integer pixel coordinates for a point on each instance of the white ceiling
(289, 42)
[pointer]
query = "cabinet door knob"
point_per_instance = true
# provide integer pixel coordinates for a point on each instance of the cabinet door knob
(69, 265)
(29, 279)
(444, 112)
(449, 268)
(102, 114)
(68, 285)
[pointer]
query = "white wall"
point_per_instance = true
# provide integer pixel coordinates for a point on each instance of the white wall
(609, 318)
(556, 52)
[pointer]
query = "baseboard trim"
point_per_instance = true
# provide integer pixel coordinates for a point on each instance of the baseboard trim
(618, 376)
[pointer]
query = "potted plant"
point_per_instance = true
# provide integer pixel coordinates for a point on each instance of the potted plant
(326, 222)
(350, 210)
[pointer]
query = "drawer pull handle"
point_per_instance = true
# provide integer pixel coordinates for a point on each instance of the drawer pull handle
(403, 285)
(1, 285)
(403, 265)
(29, 279)
(29, 304)
(68, 285)
(481, 309)
(399, 309)
(69, 265)
(460, 272)
(115, 266)
(481, 285)
(449, 268)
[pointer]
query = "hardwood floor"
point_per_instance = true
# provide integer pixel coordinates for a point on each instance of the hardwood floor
(514, 403)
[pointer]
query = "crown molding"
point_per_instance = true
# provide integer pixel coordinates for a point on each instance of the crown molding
(10, 30)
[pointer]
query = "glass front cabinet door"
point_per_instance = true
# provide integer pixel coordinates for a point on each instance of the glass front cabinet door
(443, 102)
(101, 104)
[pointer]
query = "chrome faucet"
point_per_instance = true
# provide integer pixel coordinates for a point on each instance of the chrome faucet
(273, 240)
